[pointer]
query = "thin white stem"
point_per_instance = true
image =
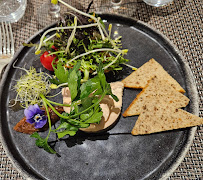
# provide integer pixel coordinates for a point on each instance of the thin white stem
(55, 94)
(108, 65)
(50, 37)
(110, 40)
(95, 50)
(67, 50)
(90, 16)
(100, 30)
(133, 68)
(60, 28)
(78, 11)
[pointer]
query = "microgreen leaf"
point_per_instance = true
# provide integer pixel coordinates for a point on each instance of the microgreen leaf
(109, 92)
(35, 135)
(86, 102)
(74, 79)
(73, 122)
(42, 143)
(101, 76)
(68, 130)
(90, 86)
(61, 73)
(66, 125)
(84, 116)
(73, 84)
(95, 118)
(65, 132)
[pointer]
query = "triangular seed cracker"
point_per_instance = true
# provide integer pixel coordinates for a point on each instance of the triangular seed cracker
(140, 77)
(158, 105)
(159, 89)
(152, 122)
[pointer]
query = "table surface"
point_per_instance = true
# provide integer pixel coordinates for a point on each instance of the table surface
(180, 21)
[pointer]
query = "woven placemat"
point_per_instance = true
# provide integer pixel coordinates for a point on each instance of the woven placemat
(180, 21)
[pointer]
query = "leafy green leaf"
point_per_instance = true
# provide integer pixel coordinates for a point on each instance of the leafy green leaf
(54, 81)
(73, 84)
(66, 132)
(66, 125)
(61, 73)
(74, 79)
(35, 135)
(86, 102)
(101, 76)
(77, 66)
(85, 116)
(90, 86)
(109, 92)
(73, 122)
(95, 118)
(42, 143)
(79, 125)
(84, 125)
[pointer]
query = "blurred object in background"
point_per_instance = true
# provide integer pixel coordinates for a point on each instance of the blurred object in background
(47, 13)
(6, 46)
(113, 6)
(116, 3)
(12, 10)
(158, 3)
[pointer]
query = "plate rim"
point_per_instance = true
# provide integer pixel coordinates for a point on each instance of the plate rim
(189, 78)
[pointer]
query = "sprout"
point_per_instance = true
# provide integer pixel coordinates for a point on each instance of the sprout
(71, 36)
(30, 86)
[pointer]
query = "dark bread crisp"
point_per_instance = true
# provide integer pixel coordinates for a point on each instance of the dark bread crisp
(24, 127)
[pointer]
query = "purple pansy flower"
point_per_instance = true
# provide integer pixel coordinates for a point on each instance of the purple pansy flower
(35, 115)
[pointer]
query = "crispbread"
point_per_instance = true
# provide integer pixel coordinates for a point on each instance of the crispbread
(158, 108)
(164, 120)
(159, 89)
(140, 77)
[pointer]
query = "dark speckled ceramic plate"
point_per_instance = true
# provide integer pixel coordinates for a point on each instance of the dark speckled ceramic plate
(113, 154)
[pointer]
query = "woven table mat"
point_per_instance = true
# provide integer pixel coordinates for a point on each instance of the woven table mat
(181, 22)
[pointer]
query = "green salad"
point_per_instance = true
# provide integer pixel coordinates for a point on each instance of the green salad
(81, 37)
(79, 50)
